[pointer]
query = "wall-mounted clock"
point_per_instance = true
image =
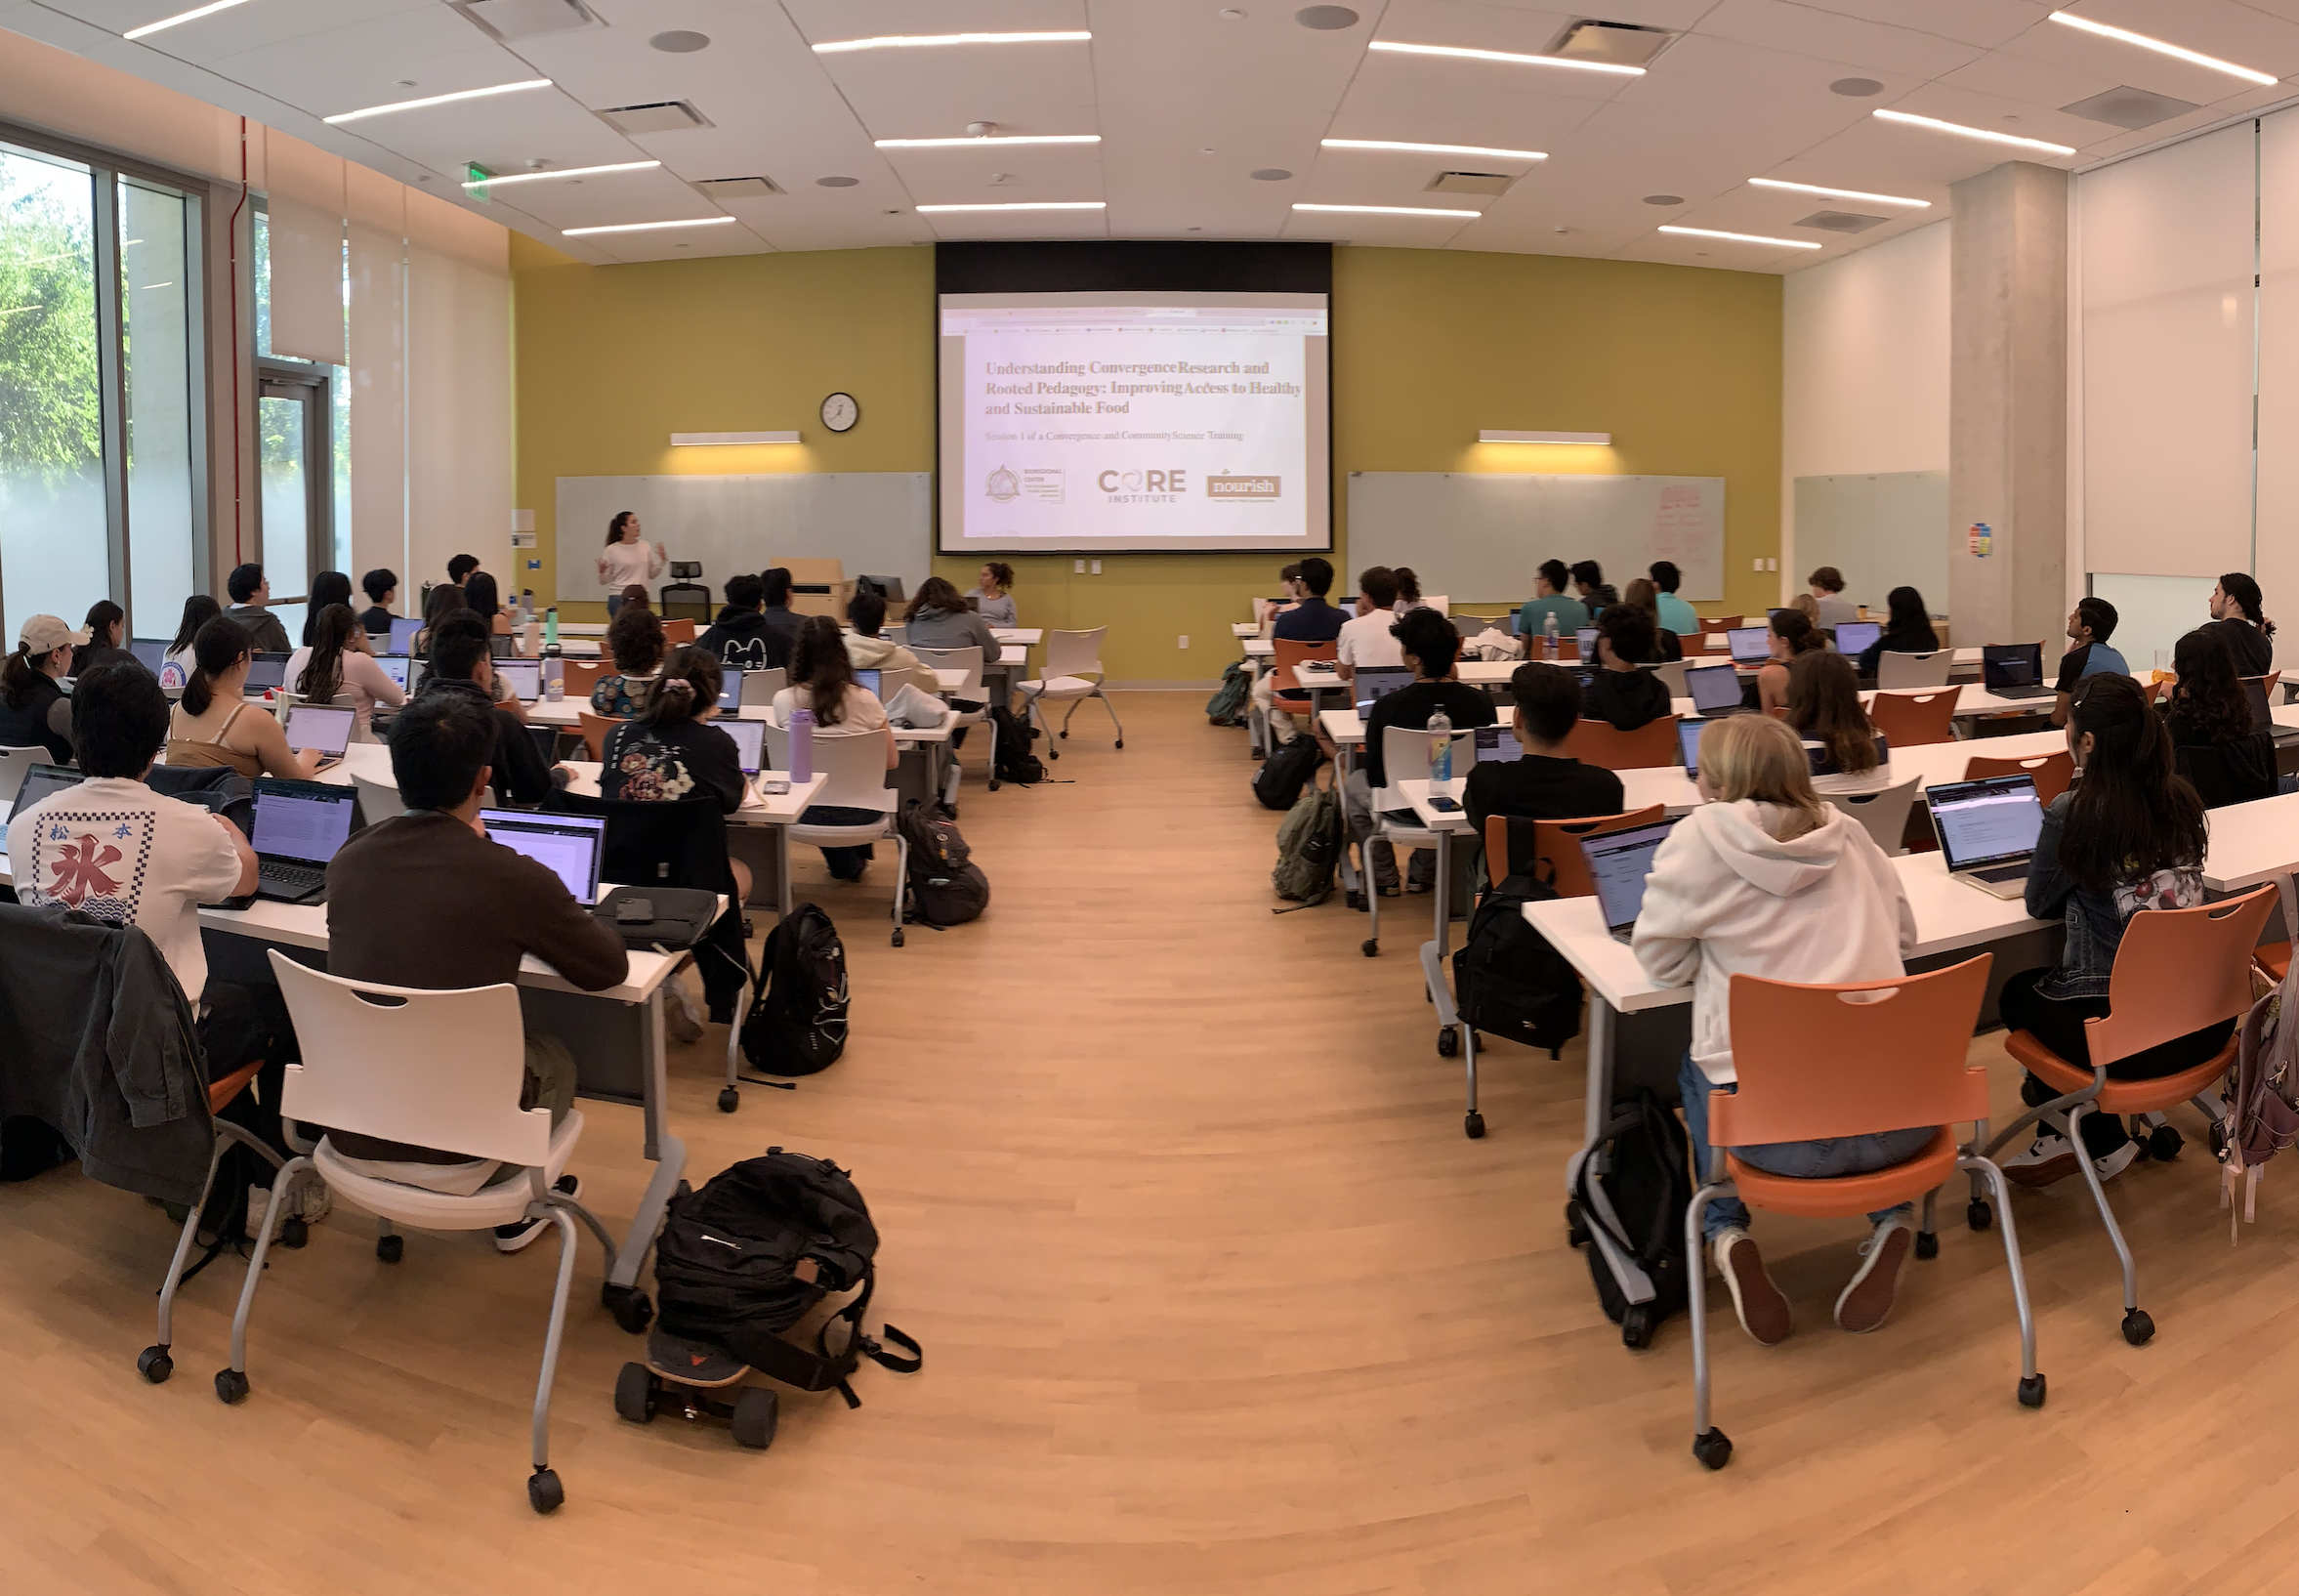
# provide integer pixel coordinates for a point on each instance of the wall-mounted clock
(840, 412)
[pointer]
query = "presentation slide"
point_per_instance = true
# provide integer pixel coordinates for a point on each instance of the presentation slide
(1110, 423)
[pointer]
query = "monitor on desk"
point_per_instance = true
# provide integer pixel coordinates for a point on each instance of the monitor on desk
(523, 677)
(568, 845)
(403, 632)
(1750, 645)
(1856, 637)
(266, 671)
(1497, 745)
(1377, 682)
(2011, 665)
(750, 742)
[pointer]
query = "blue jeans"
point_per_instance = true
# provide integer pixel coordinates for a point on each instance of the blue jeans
(1807, 1160)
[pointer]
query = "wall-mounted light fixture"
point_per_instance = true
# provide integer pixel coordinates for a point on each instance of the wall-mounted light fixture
(1489, 435)
(683, 441)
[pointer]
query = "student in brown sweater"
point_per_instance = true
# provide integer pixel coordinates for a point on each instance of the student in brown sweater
(425, 899)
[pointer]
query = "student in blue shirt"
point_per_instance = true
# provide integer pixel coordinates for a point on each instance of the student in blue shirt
(1676, 616)
(1549, 598)
(2089, 626)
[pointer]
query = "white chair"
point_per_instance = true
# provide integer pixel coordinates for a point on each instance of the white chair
(1442, 602)
(1672, 671)
(372, 1063)
(379, 801)
(1070, 658)
(759, 686)
(1914, 670)
(13, 762)
(1404, 757)
(1884, 812)
(969, 660)
(854, 768)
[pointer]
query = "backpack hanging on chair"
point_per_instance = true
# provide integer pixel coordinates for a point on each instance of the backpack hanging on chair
(2261, 1098)
(1511, 982)
(797, 1025)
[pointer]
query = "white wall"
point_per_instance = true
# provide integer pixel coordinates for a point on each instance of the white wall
(1864, 368)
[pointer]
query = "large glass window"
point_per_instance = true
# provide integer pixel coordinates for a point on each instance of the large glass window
(157, 263)
(304, 417)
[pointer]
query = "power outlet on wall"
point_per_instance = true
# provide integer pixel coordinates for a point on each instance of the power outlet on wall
(1077, 568)
(1772, 565)
(1097, 568)
(1185, 643)
(1758, 563)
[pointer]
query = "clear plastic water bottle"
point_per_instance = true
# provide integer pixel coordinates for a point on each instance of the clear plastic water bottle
(802, 746)
(1549, 635)
(1441, 750)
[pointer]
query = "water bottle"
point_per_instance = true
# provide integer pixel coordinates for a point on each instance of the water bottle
(551, 627)
(1549, 635)
(802, 746)
(1441, 750)
(554, 662)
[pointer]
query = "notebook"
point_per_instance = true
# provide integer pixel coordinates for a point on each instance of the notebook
(1619, 864)
(569, 845)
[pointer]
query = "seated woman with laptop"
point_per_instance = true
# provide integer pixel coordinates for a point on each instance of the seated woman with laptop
(2129, 836)
(822, 682)
(1848, 753)
(1792, 633)
(338, 660)
(213, 724)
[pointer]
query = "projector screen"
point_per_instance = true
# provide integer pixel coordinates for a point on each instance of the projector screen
(1111, 422)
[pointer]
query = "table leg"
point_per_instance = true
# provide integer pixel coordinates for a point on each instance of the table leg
(1444, 894)
(667, 1151)
(782, 871)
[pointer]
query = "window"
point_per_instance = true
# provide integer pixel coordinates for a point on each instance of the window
(303, 424)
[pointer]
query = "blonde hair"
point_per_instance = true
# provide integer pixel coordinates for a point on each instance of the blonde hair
(1754, 756)
(1809, 606)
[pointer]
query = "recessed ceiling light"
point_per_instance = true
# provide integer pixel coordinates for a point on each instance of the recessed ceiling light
(1857, 88)
(1027, 205)
(438, 99)
(993, 138)
(1269, 174)
(1746, 238)
(679, 41)
(836, 182)
(1664, 199)
(1435, 149)
(929, 41)
(1839, 193)
(1326, 19)
(1384, 210)
(180, 17)
(2193, 58)
(652, 226)
(569, 172)
(1505, 56)
(1970, 131)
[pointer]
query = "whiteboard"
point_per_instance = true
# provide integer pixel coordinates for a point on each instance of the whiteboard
(1882, 530)
(1479, 536)
(879, 523)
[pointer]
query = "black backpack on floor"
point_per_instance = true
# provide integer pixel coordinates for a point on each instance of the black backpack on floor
(1508, 980)
(797, 1022)
(947, 887)
(1009, 758)
(730, 1269)
(1288, 770)
(1647, 1181)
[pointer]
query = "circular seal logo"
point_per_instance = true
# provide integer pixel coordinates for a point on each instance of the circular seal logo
(1004, 485)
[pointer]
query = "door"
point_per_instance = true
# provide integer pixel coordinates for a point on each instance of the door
(292, 414)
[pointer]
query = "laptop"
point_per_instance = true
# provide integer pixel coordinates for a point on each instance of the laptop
(151, 653)
(1857, 637)
(403, 634)
(40, 782)
(323, 727)
(1497, 745)
(869, 679)
(569, 845)
(1750, 645)
(1620, 862)
(523, 677)
(1688, 742)
(2014, 670)
(2262, 714)
(1715, 692)
(1378, 682)
(266, 671)
(1987, 830)
(546, 741)
(395, 667)
(890, 588)
(1586, 639)
(299, 826)
(729, 691)
(750, 742)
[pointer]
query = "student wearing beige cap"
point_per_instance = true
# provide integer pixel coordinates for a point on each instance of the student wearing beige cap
(34, 713)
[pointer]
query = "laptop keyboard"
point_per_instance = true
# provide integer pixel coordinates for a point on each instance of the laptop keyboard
(2033, 691)
(289, 880)
(2003, 873)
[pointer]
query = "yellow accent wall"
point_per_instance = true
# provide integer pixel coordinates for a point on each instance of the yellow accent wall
(1681, 365)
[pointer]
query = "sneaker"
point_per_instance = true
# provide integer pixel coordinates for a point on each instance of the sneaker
(2117, 1161)
(514, 1237)
(2049, 1159)
(678, 1013)
(1764, 1313)
(1866, 1299)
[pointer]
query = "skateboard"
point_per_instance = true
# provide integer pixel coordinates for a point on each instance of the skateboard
(697, 1378)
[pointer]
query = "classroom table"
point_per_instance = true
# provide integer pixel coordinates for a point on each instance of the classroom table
(1243, 629)
(1027, 637)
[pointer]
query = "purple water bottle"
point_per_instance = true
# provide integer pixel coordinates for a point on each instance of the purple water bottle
(802, 746)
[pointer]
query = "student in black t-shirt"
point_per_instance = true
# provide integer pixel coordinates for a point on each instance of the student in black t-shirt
(382, 586)
(459, 664)
(1621, 694)
(1430, 645)
(2237, 616)
(1588, 577)
(1908, 629)
(2226, 758)
(670, 751)
(1544, 784)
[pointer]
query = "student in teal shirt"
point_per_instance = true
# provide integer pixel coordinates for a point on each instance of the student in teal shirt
(1549, 598)
(1676, 616)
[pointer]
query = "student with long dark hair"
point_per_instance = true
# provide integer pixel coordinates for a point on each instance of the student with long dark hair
(34, 713)
(106, 629)
(328, 587)
(177, 669)
(1792, 634)
(443, 601)
(1667, 644)
(2214, 744)
(940, 618)
(1825, 710)
(627, 560)
(339, 661)
(1908, 629)
(635, 643)
(2236, 614)
(670, 751)
(213, 724)
(2129, 836)
(485, 601)
(822, 681)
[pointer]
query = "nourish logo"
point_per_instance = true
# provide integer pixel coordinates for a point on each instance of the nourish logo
(1242, 488)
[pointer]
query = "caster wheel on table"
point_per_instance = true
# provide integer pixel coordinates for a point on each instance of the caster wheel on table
(1636, 1325)
(1927, 1244)
(154, 1365)
(729, 1100)
(2031, 1391)
(1576, 1230)
(1474, 1125)
(544, 1493)
(632, 1308)
(1714, 1448)
(294, 1231)
(391, 1248)
(2138, 1327)
(2166, 1143)
(1448, 1043)
(1976, 1215)
(230, 1386)
(634, 1393)
(755, 1413)
(1370, 946)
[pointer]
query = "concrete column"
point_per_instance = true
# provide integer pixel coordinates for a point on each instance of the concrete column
(2008, 405)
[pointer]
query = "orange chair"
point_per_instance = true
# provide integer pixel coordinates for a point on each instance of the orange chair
(1550, 850)
(680, 630)
(2177, 971)
(2156, 689)
(594, 729)
(1288, 653)
(2054, 772)
(1712, 625)
(1596, 742)
(1911, 1039)
(582, 674)
(1909, 720)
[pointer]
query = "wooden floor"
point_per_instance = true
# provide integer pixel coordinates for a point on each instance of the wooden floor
(1215, 1296)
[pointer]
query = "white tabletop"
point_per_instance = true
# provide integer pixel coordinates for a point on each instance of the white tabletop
(1717, 642)
(1243, 629)
(582, 628)
(1259, 647)
(1476, 673)
(1027, 637)
(372, 759)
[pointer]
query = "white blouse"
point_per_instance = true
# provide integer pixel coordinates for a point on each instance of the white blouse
(367, 683)
(628, 563)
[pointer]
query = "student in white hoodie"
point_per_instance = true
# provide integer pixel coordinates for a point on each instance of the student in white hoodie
(1765, 879)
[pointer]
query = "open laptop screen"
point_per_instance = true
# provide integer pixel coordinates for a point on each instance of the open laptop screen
(1713, 688)
(1750, 645)
(395, 667)
(2011, 665)
(1856, 637)
(151, 654)
(2262, 716)
(266, 670)
(403, 630)
(750, 740)
(1688, 742)
(40, 782)
(1620, 861)
(306, 822)
(729, 691)
(1989, 821)
(567, 845)
(1376, 682)
(869, 680)
(523, 677)
(320, 726)
(1498, 746)
(1585, 639)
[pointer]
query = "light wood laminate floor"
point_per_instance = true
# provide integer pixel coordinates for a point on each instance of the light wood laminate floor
(1215, 1297)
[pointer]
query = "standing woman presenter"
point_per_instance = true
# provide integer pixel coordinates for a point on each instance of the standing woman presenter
(628, 558)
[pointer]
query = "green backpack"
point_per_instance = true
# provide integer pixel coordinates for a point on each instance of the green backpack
(1308, 847)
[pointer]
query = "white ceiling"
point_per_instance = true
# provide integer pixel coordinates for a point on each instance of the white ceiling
(1188, 102)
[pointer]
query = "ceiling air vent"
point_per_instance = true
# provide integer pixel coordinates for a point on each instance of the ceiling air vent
(1840, 221)
(736, 188)
(1470, 183)
(2130, 107)
(1616, 44)
(662, 116)
(509, 20)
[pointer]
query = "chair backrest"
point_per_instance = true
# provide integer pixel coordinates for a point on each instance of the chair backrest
(1075, 654)
(1910, 1036)
(1712, 625)
(374, 1063)
(379, 801)
(1550, 850)
(680, 630)
(1442, 602)
(2155, 688)
(1285, 653)
(1597, 742)
(1883, 812)
(760, 686)
(2054, 772)
(14, 762)
(594, 729)
(1915, 670)
(2177, 970)
(853, 764)
(1908, 720)
(582, 674)
(681, 844)
(1404, 755)
(1672, 671)
(967, 660)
